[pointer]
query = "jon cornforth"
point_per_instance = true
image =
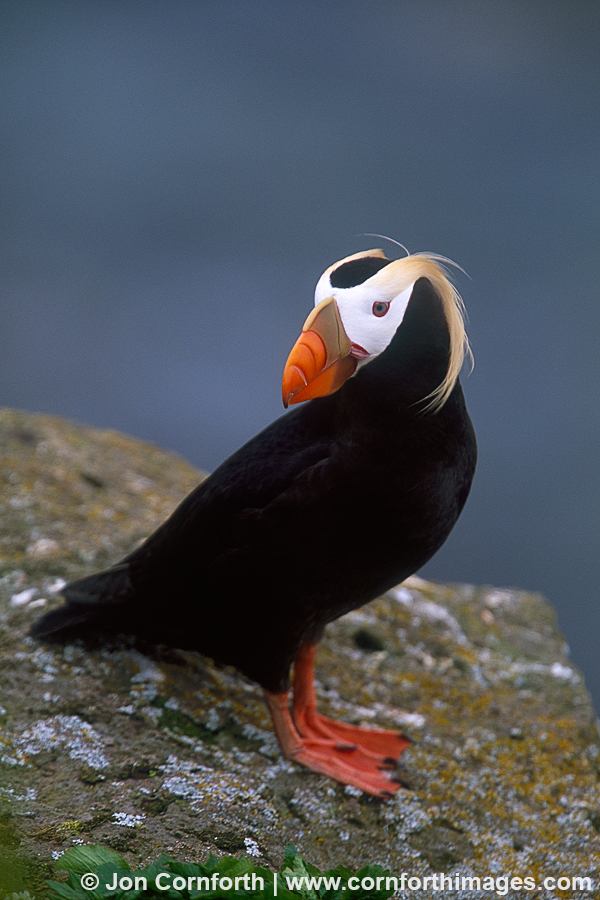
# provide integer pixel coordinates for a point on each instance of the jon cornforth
(165, 880)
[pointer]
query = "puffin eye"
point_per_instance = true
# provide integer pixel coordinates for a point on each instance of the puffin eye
(380, 307)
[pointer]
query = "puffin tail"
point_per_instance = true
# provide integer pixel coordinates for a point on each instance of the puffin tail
(96, 605)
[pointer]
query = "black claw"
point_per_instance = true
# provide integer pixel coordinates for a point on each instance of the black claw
(397, 780)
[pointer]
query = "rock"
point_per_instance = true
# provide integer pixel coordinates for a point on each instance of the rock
(168, 752)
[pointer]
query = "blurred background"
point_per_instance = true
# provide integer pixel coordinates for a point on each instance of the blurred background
(175, 176)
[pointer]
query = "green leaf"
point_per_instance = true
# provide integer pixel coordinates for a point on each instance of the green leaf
(211, 863)
(80, 860)
(290, 853)
(232, 866)
(63, 891)
(295, 867)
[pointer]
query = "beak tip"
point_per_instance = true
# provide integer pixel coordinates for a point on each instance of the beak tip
(294, 381)
(319, 362)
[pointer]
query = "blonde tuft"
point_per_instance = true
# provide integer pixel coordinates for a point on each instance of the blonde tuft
(400, 274)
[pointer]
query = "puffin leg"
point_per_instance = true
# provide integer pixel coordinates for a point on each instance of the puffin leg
(352, 765)
(386, 746)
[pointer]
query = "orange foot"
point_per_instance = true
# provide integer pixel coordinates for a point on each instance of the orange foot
(349, 754)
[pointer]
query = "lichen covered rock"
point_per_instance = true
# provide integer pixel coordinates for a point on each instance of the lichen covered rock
(164, 751)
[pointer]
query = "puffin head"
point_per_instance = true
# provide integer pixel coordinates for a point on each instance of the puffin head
(360, 303)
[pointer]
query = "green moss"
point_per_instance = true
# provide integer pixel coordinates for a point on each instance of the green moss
(181, 722)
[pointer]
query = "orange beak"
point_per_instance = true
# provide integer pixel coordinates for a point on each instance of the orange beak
(320, 361)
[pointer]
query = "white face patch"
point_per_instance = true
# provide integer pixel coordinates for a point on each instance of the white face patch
(393, 282)
(373, 332)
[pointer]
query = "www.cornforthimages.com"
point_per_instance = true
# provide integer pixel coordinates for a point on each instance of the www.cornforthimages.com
(441, 882)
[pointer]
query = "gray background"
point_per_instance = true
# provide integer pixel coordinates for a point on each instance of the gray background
(175, 176)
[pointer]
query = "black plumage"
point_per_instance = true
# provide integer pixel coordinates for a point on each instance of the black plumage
(334, 503)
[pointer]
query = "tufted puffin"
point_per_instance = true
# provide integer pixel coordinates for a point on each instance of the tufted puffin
(331, 505)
